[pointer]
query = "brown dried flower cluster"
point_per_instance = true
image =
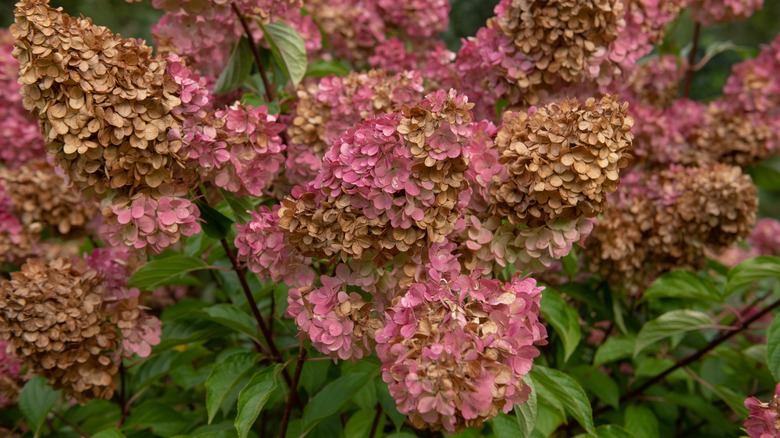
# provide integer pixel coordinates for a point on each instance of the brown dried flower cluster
(322, 114)
(668, 221)
(104, 102)
(41, 198)
(53, 317)
(562, 160)
(561, 36)
(732, 137)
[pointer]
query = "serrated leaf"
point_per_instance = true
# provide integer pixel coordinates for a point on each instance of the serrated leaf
(773, 348)
(747, 272)
(669, 324)
(563, 318)
(232, 317)
(237, 70)
(683, 285)
(158, 271)
(241, 207)
(641, 421)
(527, 412)
(567, 392)
(224, 377)
(35, 401)
(215, 224)
(253, 397)
(288, 49)
(615, 348)
(332, 397)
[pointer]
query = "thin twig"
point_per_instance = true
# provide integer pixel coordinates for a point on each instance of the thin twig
(375, 424)
(293, 390)
(69, 423)
(691, 61)
(694, 357)
(269, 92)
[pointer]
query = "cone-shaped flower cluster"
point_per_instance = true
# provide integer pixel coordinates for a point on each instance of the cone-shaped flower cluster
(105, 106)
(390, 185)
(454, 354)
(764, 419)
(72, 320)
(563, 159)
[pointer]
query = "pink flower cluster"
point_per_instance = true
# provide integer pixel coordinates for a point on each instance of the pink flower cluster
(754, 85)
(10, 370)
(454, 354)
(763, 241)
(20, 138)
(720, 11)
(140, 331)
(432, 59)
(155, 224)
(338, 322)
(764, 419)
(264, 247)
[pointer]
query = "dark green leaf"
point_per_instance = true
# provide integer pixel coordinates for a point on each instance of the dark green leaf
(161, 418)
(253, 397)
(332, 397)
(224, 377)
(684, 285)
(109, 433)
(237, 70)
(388, 404)
(597, 383)
(241, 207)
(669, 324)
(563, 318)
(232, 317)
(35, 401)
(505, 426)
(773, 348)
(747, 272)
(610, 431)
(215, 224)
(641, 421)
(359, 425)
(158, 271)
(766, 174)
(568, 392)
(288, 49)
(615, 348)
(321, 68)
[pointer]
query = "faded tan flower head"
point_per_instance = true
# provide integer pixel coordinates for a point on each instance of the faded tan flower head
(104, 102)
(41, 198)
(562, 160)
(53, 317)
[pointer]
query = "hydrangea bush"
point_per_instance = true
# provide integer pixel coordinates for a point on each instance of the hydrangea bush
(315, 218)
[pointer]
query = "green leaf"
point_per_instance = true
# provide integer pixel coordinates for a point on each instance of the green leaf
(570, 264)
(232, 317)
(253, 397)
(359, 425)
(610, 431)
(669, 324)
(615, 348)
(505, 426)
(288, 49)
(224, 377)
(161, 418)
(109, 433)
(321, 68)
(241, 207)
(567, 392)
(747, 272)
(332, 397)
(158, 271)
(766, 174)
(598, 383)
(526, 413)
(35, 401)
(563, 318)
(215, 224)
(773, 348)
(237, 70)
(388, 404)
(685, 285)
(641, 421)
